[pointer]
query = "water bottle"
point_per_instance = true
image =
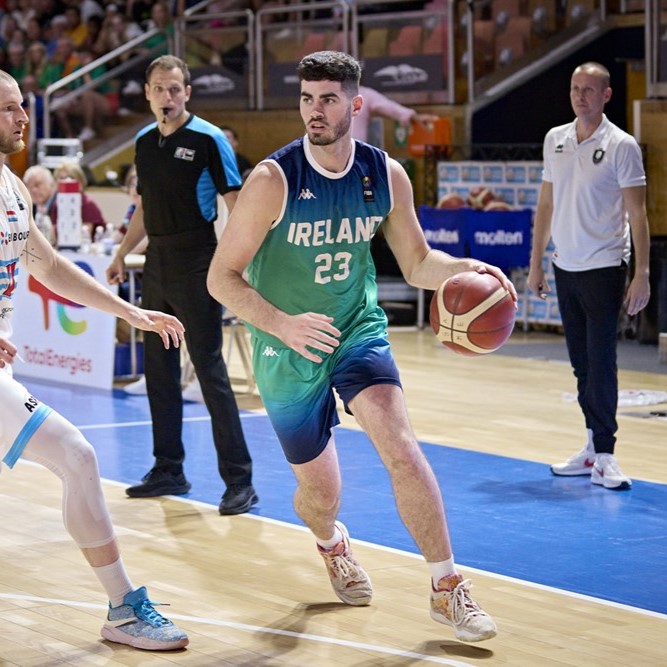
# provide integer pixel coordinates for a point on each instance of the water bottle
(107, 239)
(97, 247)
(85, 239)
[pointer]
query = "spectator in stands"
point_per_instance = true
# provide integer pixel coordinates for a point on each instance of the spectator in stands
(75, 29)
(91, 215)
(36, 59)
(34, 32)
(161, 20)
(90, 8)
(116, 30)
(94, 25)
(54, 31)
(93, 106)
(242, 162)
(17, 61)
(62, 62)
(8, 26)
(375, 103)
(130, 186)
(41, 185)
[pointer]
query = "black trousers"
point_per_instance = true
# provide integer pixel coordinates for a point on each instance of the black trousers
(174, 281)
(590, 304)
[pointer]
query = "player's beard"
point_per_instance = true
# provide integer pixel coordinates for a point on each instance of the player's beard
(335, 133)
(9, 146)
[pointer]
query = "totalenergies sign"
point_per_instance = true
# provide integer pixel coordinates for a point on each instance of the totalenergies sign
(60, 340)
(72, 327)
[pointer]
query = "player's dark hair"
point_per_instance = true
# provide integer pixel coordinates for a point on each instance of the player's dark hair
(331, 66)
(168, 63)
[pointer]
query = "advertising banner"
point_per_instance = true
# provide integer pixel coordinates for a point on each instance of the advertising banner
(61, 341)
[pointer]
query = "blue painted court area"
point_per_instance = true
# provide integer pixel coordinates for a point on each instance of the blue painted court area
(506, 516)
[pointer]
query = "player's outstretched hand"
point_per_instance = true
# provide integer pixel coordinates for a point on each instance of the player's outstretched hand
(311, 330)
(168, 327)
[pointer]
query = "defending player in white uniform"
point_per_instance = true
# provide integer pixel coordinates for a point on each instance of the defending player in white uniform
(33, 431)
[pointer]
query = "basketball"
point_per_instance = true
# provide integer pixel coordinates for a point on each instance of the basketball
(497, 205)
(479, 197)
(451, 200)
(472, 313)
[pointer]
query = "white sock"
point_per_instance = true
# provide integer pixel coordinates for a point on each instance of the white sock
(443, 568)
(115, 581)
(589, 444)
(333, 541)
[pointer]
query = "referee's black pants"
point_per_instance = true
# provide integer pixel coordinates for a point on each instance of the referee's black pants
(174, 281)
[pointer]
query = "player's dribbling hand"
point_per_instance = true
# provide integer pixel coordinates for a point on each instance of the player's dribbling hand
(168, 327)
(311, 330)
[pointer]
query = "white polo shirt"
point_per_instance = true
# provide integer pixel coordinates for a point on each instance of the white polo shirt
(589, 226)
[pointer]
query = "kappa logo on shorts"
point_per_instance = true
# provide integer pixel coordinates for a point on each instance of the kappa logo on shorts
(306, 194)
(269, 352)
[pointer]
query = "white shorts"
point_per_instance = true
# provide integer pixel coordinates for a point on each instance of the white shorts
(21, 414)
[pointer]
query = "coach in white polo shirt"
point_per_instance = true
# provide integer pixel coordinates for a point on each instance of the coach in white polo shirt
(593, 203)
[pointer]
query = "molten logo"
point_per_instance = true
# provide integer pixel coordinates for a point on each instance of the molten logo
(72, 327)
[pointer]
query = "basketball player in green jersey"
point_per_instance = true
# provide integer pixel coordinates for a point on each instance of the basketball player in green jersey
(302, 228)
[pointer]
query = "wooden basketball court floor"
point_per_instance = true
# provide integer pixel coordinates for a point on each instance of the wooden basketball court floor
(573, 574)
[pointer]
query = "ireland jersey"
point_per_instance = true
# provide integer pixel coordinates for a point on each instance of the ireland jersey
(317, 254)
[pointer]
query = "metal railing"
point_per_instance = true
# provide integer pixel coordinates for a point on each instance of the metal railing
(656, 48)
(434, 19)
(298, 26)
(55, 98)
(345, 24)
(202, 27)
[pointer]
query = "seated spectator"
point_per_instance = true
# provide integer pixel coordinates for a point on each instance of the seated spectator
(16, 60)
(91, 215)
(53, 32)
(29, 85)
(130, 186)
(63, 61)
(244, 165)
(42, 187)
(75, 29)
(35, 60)
(92, 107)
(161, 20)
(34, 32)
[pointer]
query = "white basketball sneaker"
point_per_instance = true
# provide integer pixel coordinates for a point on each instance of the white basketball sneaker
(580, 463)
(607, 473)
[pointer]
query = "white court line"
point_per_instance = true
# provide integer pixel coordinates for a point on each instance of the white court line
(258, 628)
(399, 552)
(203, 418)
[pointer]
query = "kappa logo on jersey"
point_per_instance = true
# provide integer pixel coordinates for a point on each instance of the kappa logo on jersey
(184, 154)
(306, 194)
(269, 352)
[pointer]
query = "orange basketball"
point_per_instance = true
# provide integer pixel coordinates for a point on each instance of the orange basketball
(472, 313)
(497, 205)
(451, 200)
(480, 197)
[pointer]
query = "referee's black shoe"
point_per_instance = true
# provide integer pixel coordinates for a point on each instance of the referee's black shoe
(159, 481)
(238, 499)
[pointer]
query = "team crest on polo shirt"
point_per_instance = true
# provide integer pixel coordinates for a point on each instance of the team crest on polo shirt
(184, 154)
